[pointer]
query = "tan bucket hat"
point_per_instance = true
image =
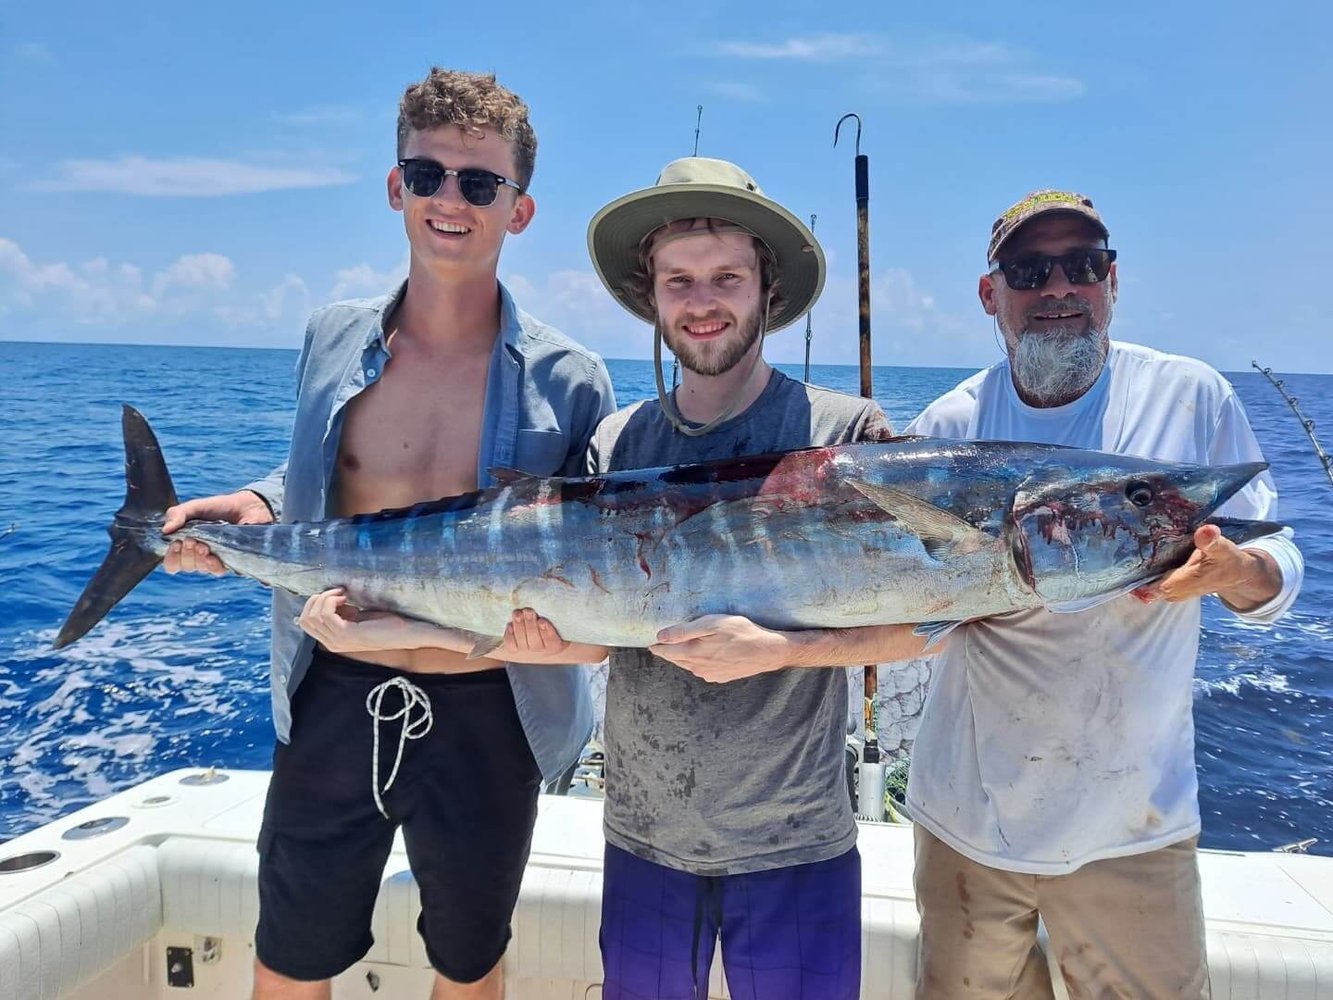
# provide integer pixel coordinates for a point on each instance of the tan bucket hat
(694, 188)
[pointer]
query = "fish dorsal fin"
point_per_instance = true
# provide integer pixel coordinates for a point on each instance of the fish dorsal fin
(506, 476)
(938, 529)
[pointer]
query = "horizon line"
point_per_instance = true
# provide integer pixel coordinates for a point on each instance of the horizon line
(826, 364)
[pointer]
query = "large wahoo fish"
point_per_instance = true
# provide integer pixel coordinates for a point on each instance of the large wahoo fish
(913, 530)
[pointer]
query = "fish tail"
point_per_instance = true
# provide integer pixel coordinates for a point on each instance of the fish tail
(148, 494)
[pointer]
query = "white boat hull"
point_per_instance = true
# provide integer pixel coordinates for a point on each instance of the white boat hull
(99, 921)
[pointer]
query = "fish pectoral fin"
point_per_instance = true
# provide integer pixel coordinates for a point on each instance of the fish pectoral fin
(1078, 604)
(482, 645)
(934, 632)
(506, 476)
(938, 529)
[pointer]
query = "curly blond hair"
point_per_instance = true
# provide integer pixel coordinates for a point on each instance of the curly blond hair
(639, 285)
(469, 100)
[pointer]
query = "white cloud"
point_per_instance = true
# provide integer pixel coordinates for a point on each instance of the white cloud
(575, 303)
(201, 298)
(185, 177)
(95, 291)
(362, 280)
(922, 70)
(195, 272)
(909, 325)
(734, 90)
(823, 47)
(289, 295)
(192, 299)
(284, 309)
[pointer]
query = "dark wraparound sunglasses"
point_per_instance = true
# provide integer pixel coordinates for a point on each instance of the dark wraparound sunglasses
(478, 187)
(1081, 267)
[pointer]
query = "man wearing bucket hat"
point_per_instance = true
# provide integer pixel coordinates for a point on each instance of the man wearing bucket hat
(1053, 774)
(727, 813)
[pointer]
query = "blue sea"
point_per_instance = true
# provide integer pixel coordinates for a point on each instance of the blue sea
(177, 676)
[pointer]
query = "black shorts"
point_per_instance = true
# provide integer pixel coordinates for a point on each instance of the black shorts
(465, 797)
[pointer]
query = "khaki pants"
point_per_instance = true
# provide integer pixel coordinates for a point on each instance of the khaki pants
(1125, 927)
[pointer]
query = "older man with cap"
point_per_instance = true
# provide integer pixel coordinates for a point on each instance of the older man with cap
(727, 812)
(1053, 774)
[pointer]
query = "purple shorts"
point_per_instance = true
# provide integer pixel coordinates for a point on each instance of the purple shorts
(787, 934)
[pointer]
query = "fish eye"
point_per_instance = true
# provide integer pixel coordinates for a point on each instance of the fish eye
(1139, 494)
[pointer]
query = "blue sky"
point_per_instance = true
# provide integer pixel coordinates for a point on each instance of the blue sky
(208, 175)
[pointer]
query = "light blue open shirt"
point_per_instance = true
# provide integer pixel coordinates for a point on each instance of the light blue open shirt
(544, 397)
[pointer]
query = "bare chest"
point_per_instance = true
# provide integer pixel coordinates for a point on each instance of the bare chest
(412, 436)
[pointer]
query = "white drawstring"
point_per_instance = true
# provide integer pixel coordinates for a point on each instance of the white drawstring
(413, 729)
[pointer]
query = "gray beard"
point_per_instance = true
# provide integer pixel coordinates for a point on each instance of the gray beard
(707, 363)
(1051, 369)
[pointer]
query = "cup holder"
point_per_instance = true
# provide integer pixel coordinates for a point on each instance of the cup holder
(210, 777)
(17, 863)
(94, 828)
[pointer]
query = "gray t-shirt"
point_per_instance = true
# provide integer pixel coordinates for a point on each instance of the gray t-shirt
(720, 779)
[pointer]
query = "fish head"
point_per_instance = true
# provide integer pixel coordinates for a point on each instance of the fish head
(1090, 530)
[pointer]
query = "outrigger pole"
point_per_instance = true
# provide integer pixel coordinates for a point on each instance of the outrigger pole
(1306, 422)
(870, 773)
(698, 124)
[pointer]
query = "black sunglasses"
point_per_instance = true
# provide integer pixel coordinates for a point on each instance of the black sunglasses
(478, 187)
(1081, 267)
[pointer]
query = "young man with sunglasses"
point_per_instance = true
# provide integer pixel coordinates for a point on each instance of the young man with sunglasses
(1053, 773)
(401, 399)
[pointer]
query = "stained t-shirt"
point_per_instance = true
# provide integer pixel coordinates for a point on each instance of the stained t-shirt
(721, 779)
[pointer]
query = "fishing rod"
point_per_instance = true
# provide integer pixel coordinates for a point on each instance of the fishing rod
(1306, 422)
(809, 333)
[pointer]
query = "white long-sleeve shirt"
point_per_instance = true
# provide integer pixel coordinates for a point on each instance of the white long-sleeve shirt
(1051, 740)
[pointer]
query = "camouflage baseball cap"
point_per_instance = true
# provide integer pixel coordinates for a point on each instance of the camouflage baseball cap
(1039, 203)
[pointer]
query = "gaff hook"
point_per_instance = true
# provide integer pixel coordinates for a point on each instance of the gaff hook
(838, 127)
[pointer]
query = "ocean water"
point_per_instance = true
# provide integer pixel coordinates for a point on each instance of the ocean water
(177, 675)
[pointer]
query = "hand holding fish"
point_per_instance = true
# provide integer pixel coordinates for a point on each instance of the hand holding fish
(192, 555)
(341, 627)
(721, 648)
(1243, 578)
(529, 634)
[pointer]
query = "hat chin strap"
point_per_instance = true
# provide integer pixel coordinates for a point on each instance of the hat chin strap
(668, 404)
